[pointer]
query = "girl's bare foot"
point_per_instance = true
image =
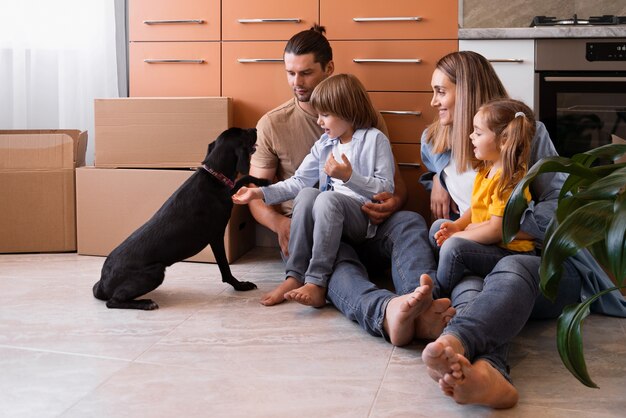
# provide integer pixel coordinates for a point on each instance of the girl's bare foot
(402, 311)
(276, 296)
(481, 384)
(309, 295)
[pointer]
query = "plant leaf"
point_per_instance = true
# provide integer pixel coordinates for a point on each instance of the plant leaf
(569, 338)
(582, 228)
(608, 152)
(517, 204)
(616, 240)
(606, 187)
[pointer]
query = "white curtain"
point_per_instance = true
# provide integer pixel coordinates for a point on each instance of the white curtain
(56, 56)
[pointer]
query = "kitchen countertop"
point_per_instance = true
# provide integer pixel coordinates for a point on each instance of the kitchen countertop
(544, 32)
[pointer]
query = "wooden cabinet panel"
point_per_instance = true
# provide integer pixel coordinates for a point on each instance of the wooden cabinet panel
(254, 76)
(391, 65)
(182, 20)
(267, 20)
(389, 19)
(174, 69)
(408, 158)
(406, 114)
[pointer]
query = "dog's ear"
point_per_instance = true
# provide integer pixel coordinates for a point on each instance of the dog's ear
(243, 159)
(211, 147)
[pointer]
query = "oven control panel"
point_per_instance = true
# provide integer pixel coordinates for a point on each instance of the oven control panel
(606, 51)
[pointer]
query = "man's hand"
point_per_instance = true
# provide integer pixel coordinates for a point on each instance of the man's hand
(283, 228)
(387, 205)
(335, 169)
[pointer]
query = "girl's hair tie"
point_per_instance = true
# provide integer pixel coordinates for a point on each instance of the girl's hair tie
(520, 115)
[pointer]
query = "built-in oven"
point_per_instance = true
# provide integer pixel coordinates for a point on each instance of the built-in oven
(581, 91)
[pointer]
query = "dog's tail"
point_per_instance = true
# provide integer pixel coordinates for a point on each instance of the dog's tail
(98, 293)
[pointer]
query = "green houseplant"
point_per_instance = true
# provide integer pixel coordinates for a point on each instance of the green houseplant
(591, 214)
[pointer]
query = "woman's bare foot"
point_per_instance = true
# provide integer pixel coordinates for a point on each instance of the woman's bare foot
(440, 357)
(276, 296)
(310, 295)
(402, 311)
(479, 383)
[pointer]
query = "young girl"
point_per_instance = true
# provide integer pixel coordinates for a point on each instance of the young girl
(352, 161)
(503, 130)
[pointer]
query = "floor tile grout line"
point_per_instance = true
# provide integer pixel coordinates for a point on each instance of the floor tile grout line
(382, 382)
(64, 353)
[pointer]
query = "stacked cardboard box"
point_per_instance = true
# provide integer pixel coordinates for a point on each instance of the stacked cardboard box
(37, 189)
(145, 149)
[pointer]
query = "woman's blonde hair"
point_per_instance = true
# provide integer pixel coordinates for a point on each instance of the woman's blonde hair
(476, 83)
(344, 95)
(514, 125)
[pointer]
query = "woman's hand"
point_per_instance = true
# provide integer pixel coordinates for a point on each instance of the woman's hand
(439, 200)
(246, 194)
(387, 204)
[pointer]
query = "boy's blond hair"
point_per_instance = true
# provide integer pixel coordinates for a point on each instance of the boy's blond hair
(345, 96)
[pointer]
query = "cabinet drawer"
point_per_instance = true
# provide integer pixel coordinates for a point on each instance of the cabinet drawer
(254, 76)
(174, 69)
(182, 20)
(267, 20)
(391, 65)
(374, 19)
(409, 160)
(406, 114)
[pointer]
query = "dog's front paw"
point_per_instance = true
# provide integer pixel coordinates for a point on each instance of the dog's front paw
(244, 286)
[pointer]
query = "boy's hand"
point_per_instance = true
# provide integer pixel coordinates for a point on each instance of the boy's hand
(341, 171)
(246, 194)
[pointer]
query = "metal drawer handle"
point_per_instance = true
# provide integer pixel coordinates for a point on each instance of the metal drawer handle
(172, 61)
(279, 20)
(388, 19)
(401, 112)
(512, 60)
(413, 165)
(587, 79)
(168, 22)
(396, 60)
(249, 60)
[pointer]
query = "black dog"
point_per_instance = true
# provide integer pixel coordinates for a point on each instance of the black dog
(193, 217)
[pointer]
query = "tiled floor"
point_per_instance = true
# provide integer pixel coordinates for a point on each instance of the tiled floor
(211, 352)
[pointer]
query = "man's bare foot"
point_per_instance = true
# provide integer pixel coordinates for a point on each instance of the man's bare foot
(310, 295)
(479, 383)
(430, 324)
(276, 296)
(402, 311)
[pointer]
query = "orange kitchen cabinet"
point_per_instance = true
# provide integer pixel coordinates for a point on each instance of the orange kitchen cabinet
(174, 69)
(254, 76)
(410, 163)
(182, 20)
(267, 20)
(374, 19)
(402, 65)
(406, 114)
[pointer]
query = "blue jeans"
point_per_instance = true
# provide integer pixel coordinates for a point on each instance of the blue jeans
(489, 318)
(319, 221)
(401, 240)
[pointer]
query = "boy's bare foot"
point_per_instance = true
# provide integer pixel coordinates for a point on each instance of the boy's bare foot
(430, 324)
(479, 383)
(402, 311)
(276, 296)
(309, 294)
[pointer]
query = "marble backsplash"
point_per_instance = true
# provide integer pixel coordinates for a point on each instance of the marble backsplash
(519, 13)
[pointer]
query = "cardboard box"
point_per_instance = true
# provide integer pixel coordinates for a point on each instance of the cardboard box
(165, 132)
(112, 203)
(37, 188)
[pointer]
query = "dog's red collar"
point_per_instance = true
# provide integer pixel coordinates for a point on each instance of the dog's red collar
(228, 182)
